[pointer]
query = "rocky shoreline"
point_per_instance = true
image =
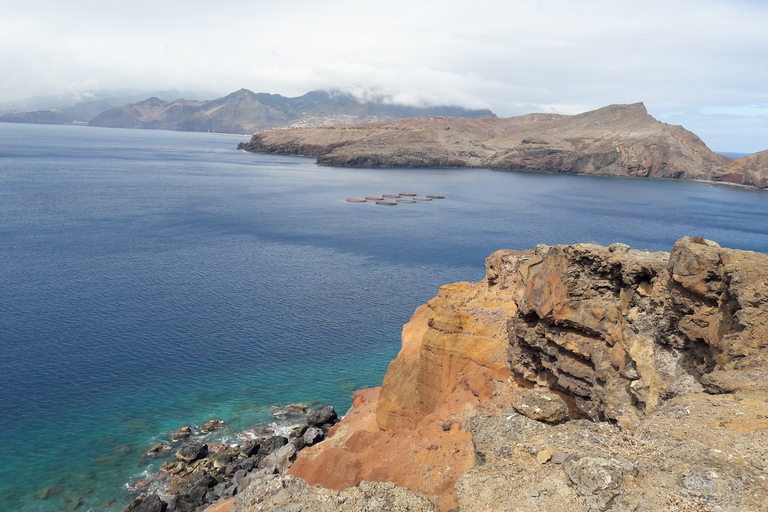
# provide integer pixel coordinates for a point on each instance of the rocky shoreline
(202, 473)
(572, 378)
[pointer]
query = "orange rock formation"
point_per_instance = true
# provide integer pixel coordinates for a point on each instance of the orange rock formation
(409, 431)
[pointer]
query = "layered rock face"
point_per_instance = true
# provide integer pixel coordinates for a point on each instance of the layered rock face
(618, 140)
(649, 377)
(751, 170)
(621, 331)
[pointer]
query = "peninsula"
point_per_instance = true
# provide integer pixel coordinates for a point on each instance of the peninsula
(617, 140)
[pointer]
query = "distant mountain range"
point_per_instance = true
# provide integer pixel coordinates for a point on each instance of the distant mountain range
(78, 108)
(242, 112)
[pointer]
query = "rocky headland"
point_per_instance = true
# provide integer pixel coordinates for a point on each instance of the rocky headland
(572, 378)
(617, 140)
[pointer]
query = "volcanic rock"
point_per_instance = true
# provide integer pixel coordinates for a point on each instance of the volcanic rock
(151, 503)
(181, 433)
(313, 435)
(211, 425)
(192, 452)
(158, 449)
(193, 493)
(271, 444)
(324, 416)
(250, 447)
(541, 405)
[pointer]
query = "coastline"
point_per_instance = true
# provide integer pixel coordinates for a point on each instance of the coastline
(586, 427)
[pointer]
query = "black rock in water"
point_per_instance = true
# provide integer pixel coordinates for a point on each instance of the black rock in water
(192, 452)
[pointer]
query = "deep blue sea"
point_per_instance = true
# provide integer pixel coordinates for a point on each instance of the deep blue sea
(152, 279)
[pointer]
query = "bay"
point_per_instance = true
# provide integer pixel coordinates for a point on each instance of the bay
(151, 279)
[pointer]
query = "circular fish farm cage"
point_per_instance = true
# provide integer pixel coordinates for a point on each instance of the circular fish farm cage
(355, 200)
(386, 203)
(422, 198)
(374, 198)
(406, 200)
(390, 195)
(436, 197)
(409, 194)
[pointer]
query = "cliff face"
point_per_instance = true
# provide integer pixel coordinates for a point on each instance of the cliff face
(751, 170)
(618, 140)
(409, 431)
(661, 361)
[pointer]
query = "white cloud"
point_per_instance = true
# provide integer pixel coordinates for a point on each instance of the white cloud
(702, 57)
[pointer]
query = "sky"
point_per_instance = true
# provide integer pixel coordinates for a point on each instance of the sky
(702, 64)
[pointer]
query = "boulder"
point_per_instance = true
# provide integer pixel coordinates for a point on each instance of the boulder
(271, 444)
(313, 435)
(250, 447)
(323, 416)
(211, 425)
(279, 460)
(541, 405)
(180, 434)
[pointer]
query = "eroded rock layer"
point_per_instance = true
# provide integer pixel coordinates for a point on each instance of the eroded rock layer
(621, 330)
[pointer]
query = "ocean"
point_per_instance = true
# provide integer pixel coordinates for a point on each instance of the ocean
(153, 279)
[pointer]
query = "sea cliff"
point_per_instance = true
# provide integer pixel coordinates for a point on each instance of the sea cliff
(617, 140)
(573, 377)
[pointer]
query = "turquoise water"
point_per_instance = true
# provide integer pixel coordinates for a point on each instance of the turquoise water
(152, 279)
